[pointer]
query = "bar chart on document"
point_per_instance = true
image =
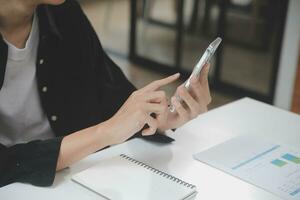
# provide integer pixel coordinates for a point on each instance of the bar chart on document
(271, 166)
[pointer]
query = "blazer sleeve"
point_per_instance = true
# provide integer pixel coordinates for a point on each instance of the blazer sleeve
(33, 162)
(115, 88)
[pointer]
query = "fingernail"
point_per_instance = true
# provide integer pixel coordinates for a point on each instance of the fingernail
(144, 133)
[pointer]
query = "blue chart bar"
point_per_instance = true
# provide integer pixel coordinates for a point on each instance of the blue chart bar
(291, 158)
(255, 157)
(295, 192)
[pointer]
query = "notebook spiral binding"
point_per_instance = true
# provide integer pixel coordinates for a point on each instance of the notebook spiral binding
(161, 173)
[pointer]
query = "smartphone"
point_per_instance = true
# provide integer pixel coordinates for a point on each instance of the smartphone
(209, 52)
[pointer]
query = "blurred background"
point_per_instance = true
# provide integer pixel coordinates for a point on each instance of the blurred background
(258, 58)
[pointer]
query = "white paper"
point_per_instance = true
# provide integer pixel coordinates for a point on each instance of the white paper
(118, 178)
(268, 165)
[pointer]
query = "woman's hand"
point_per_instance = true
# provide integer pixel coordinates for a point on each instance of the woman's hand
(131, 118)
(194, 102)
(136, 111)
(135, 114)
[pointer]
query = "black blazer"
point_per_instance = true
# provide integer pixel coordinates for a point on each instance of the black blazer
(85, 87)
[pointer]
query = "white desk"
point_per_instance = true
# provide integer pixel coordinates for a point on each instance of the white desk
(241, 117)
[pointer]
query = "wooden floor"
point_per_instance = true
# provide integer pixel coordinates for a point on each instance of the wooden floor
(296, 98)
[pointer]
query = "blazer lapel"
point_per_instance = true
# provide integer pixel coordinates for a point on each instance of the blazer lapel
(3, 60)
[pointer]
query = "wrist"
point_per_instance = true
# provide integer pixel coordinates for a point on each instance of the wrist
(105, 132)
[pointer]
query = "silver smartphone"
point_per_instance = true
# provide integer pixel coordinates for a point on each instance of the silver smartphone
(209, 52)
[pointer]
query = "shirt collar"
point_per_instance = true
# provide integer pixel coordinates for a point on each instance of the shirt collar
(47, 27)
(47, 23)
(3, 60)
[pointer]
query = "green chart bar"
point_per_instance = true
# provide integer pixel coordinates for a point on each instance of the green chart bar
(291, 158)
(278, 163)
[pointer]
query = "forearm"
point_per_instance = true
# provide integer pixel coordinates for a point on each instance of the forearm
(80, 144)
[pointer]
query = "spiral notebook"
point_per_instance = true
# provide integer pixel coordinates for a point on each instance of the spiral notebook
(124, 178)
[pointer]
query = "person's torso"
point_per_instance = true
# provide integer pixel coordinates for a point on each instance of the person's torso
(21, 114)
(78, 85)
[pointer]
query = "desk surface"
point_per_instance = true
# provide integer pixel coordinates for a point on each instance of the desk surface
(241, 117)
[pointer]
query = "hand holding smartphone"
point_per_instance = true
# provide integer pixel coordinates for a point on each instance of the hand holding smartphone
(209, 52)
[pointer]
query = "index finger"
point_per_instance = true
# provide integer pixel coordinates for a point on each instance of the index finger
(155, 85)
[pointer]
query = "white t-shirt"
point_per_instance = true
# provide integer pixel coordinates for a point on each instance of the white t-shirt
(22, 118)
